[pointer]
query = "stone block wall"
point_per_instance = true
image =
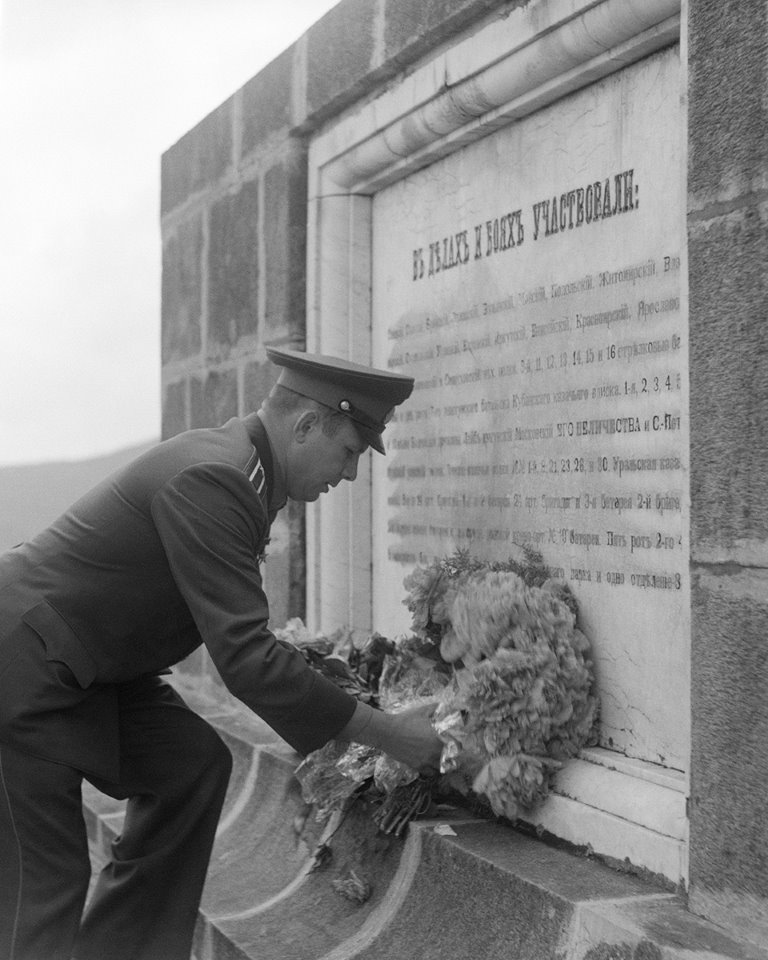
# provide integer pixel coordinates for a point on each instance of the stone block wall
(233, 228)
(728, 274)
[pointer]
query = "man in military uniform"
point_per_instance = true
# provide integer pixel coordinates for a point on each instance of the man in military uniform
(159, 558)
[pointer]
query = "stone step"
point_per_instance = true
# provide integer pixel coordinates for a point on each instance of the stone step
(451, 888)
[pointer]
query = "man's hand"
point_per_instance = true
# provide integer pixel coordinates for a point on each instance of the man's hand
(416, 743)
(406, 736)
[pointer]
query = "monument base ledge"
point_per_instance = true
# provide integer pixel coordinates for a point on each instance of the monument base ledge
(451, 885)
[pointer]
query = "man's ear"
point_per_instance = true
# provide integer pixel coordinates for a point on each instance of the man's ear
(304, 424)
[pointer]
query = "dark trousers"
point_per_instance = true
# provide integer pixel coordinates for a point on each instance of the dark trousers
(174, 773)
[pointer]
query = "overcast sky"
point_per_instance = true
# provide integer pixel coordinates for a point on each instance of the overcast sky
(92, 92)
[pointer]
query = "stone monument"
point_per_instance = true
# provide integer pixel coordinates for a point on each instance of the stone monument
(553, 215)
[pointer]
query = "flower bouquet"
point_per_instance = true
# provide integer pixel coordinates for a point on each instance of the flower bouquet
(497, 647)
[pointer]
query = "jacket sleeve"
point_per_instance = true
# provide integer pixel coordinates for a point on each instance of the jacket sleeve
(213, 526)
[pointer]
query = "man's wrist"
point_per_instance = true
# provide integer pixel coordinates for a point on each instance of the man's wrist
(357, 725)
(367, 726)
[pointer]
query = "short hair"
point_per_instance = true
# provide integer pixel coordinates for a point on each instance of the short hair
(283, 402)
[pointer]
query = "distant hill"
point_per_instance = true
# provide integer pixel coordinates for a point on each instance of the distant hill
(33, 495)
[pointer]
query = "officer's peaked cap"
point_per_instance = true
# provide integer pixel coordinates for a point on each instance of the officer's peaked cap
(366, 395)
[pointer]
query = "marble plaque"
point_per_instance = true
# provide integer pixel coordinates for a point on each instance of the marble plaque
(530, 282)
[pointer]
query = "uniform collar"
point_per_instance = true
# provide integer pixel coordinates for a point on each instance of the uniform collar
(273, 474)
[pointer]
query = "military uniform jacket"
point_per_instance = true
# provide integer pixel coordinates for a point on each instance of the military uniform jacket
(159, 558)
